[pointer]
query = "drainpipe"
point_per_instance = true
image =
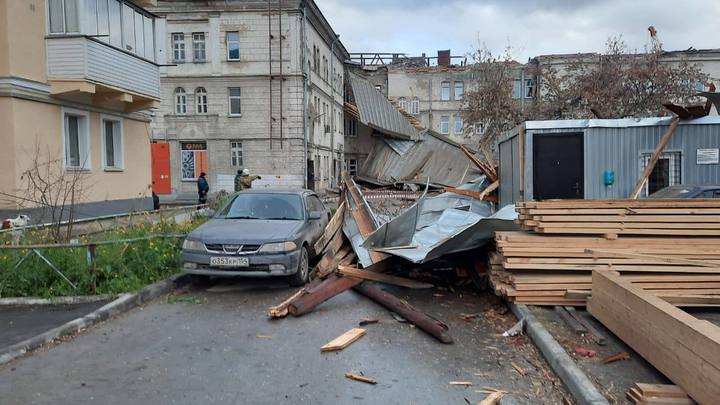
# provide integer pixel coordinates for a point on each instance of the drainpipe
(522, 90)
(305, 91)
(332, 94)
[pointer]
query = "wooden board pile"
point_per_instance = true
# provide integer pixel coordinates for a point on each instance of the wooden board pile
(658, 394)
(543, 266)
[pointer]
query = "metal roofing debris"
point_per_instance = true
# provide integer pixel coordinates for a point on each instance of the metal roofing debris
(376, 111)
(437, 226)
(432, 156)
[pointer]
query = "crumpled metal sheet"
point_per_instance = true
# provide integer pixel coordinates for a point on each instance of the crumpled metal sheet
(437, 226)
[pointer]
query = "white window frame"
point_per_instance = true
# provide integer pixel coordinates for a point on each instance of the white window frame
(455, 125)
(351, 166)
(445, 85)
(84, 144)
(402, 103)
(80, 11)
(195, 43)
(666, 154)
(517, 89)
(228, 42)
(230, 98)
(444, 124)
(178, 46)
(176, 101)
(120, 152)
(236, 155)
(529, 88)
(461, 85)
(415, 106)
(201, 100)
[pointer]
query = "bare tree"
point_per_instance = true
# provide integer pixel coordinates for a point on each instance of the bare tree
(54, 189)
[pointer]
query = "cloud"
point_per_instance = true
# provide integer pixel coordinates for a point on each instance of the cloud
(530, 27)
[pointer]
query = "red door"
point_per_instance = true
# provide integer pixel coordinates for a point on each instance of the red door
(161, 168)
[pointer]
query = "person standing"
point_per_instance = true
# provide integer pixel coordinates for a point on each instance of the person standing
(238, 183)
(203, 188)
(246, 179)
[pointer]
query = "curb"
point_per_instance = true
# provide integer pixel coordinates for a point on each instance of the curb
(80, 299)
(580, 387)
(123, 303)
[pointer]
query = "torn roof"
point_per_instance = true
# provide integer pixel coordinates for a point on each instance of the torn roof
(377, 112)
(432, 155)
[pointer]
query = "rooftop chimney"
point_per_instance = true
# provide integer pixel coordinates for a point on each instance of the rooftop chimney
(444, 58)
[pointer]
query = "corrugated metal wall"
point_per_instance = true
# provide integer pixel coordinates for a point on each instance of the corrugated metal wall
(619, 150)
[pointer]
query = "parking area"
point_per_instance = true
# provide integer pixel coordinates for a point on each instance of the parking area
(212, 343)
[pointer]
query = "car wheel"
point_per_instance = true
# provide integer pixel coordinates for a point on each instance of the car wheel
(301, 275)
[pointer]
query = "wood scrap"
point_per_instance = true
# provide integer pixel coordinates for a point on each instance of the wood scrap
(492, 399)
(658, 394)
(344, 340)
(332, 227)
(595, 334)
(519, 369)
(616, 357)
(361, 378)
(465, 383)
(368, 321)
(383, 278)
(576, 326)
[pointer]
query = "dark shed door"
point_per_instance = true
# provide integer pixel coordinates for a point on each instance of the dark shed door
(558, 170)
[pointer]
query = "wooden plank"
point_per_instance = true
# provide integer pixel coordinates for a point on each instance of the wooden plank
(661, 390)
(625, 218)
(576, 326)
(344, 340)
(685, 349)
(655, 258)
(332, 227)
(361, 378)
(383, 278)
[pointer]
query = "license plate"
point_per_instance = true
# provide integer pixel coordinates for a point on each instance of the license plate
(229, 261)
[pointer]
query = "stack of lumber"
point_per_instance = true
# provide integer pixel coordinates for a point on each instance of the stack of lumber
(688, 217)
(658, 394)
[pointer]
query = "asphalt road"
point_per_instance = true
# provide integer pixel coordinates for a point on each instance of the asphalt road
(214, 344)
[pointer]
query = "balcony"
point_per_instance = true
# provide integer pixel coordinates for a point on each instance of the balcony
(88, 70)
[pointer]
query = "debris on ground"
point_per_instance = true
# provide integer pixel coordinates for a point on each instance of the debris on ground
(361, 378)
(581, 351)
(344, 340)
(517, 329)
(616, 357)
(492, 399)
(658, 394)
(367, 321)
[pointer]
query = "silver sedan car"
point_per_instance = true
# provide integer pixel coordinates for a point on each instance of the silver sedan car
(258, 233)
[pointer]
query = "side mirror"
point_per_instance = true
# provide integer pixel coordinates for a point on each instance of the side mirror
(315, 215)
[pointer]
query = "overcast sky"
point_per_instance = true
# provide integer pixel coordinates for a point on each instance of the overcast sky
(531, 27)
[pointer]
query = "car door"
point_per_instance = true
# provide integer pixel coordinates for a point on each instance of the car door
(315, 227)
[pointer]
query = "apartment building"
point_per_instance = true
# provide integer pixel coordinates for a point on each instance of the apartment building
(252, 85)
(77, 78)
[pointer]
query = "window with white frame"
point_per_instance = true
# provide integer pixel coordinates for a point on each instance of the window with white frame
(699, 86)
(178, 44)
(415, 106)
(445, 91)
(198, 46)
(236, 156)
(232, 41)
(76, 139)
(64, 16)
(458, 125)
(351, 166)
(445, 124)
(459, 90)
(479, 129)
(667, 171)
(201, 104)
(234, 101)
(112, 143)
(402, 103)
(529, 88)
(517, 89)
(180, 101)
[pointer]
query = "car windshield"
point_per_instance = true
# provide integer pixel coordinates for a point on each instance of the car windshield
(673, 192)
(263, 206)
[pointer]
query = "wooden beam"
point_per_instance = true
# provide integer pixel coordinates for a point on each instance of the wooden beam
(383, 278)
(655, 156)
(344, 340)
(332, 227)
(684, 348)
(65, 87)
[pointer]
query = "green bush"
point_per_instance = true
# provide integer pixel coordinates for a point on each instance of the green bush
(119, 267)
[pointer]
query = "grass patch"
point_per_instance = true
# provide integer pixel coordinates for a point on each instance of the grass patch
(120, 267)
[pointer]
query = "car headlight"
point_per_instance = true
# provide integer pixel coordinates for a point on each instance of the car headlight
(278, 247)
(189, 244)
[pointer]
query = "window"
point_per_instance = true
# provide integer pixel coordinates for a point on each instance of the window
(193, 159)
(479, 129)
(234, 100)
(64, 16)
(112, 143)
(236, 158)
(667, 171)
(445, 91)
(351, 165)
(459, 90)
(699, 86)
(178, 43)
(198, 46)
(378, 87)
(350, 127)
(232, 41)
(402, 103)
(128, 28)
(415, 106)
(314, 204)
(445, 124)
(180, 101)
(458, 125)
(325, 68)
(529, 88)
(201, 100)
(517, 91)
(76, 139)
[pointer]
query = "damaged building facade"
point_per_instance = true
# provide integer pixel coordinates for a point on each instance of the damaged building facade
(249, 85)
